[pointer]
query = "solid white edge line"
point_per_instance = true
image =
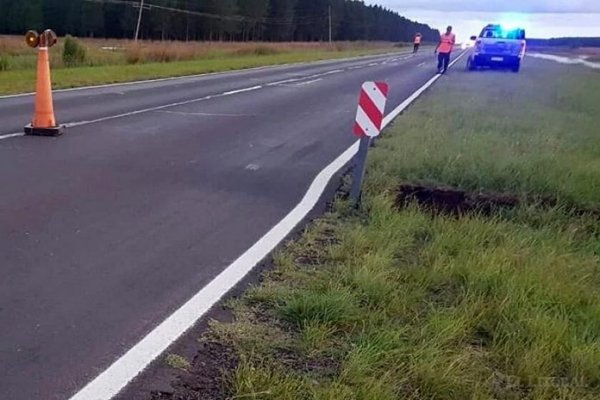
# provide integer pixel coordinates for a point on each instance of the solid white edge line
(239, 71)
(118, 375)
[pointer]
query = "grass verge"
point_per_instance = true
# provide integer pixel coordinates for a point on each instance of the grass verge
(399, 301)
(153, 61)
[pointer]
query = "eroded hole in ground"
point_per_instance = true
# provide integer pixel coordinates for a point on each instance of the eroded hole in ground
(453, 201)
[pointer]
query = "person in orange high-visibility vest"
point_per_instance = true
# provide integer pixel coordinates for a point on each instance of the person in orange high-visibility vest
(418, 38)
(444, 50)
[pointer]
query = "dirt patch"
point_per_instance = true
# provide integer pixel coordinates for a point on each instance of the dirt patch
(206, 379)
(454, 201)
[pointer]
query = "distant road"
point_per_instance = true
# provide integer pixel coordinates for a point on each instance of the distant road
(155, 188)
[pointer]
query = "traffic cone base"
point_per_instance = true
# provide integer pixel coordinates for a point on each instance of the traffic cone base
(30, 130)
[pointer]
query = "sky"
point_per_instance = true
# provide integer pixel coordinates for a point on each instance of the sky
(541, 18)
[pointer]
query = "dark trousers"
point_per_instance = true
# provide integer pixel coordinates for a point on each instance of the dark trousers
(416, 48)
(443, 61)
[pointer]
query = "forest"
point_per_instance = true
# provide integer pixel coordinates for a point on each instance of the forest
(214, 20)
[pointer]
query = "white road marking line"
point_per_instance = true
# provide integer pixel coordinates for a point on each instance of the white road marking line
(157, 108)
(11, 135)
(286, 81)
(308, 82)
(162, 107)
(242, 90)
(422, 64)
(373, 64)
(252, 167)
(200, 114)
(335, 71)
(110, 382)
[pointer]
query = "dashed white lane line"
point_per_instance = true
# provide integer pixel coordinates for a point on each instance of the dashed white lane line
(201, 114)
(242, 90)
(285, 81)
(252, 167)
(157, 108)
(196, 76)
(308, 82)
(162, 107)
(11, 135)
(110, 382)
(335, 71)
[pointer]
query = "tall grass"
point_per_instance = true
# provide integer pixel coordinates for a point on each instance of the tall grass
(105, 52)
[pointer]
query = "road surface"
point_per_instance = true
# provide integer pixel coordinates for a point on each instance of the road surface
(155, 188)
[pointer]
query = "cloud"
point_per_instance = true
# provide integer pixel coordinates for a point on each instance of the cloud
(537, 25)
(504, 6)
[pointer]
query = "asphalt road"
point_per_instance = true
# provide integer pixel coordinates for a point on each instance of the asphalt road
(155, 188)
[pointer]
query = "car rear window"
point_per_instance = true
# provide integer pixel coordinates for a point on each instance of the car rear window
(499, 33)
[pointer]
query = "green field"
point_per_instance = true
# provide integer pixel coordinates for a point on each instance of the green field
(127, 61)
(406, 301)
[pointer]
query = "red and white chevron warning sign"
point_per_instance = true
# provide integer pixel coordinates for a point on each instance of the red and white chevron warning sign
(371, 107)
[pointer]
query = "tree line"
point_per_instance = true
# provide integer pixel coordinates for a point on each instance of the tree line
(224, 20)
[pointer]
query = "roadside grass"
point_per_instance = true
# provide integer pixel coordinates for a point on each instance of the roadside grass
(393, 302)
(112, 61)
(533, 134)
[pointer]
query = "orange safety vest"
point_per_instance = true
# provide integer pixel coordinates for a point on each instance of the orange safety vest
(447, 42)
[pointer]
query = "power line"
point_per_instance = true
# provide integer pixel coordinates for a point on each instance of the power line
(300, 20)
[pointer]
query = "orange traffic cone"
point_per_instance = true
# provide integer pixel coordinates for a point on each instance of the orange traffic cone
(44, 122)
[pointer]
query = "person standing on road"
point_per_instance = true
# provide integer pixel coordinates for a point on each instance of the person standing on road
(418, 38)
(444, 50)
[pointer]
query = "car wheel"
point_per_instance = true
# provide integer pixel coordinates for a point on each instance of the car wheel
(471, 66)
(516, 68)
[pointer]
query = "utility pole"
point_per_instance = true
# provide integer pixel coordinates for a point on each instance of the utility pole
(139, 21)
(330, 27)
